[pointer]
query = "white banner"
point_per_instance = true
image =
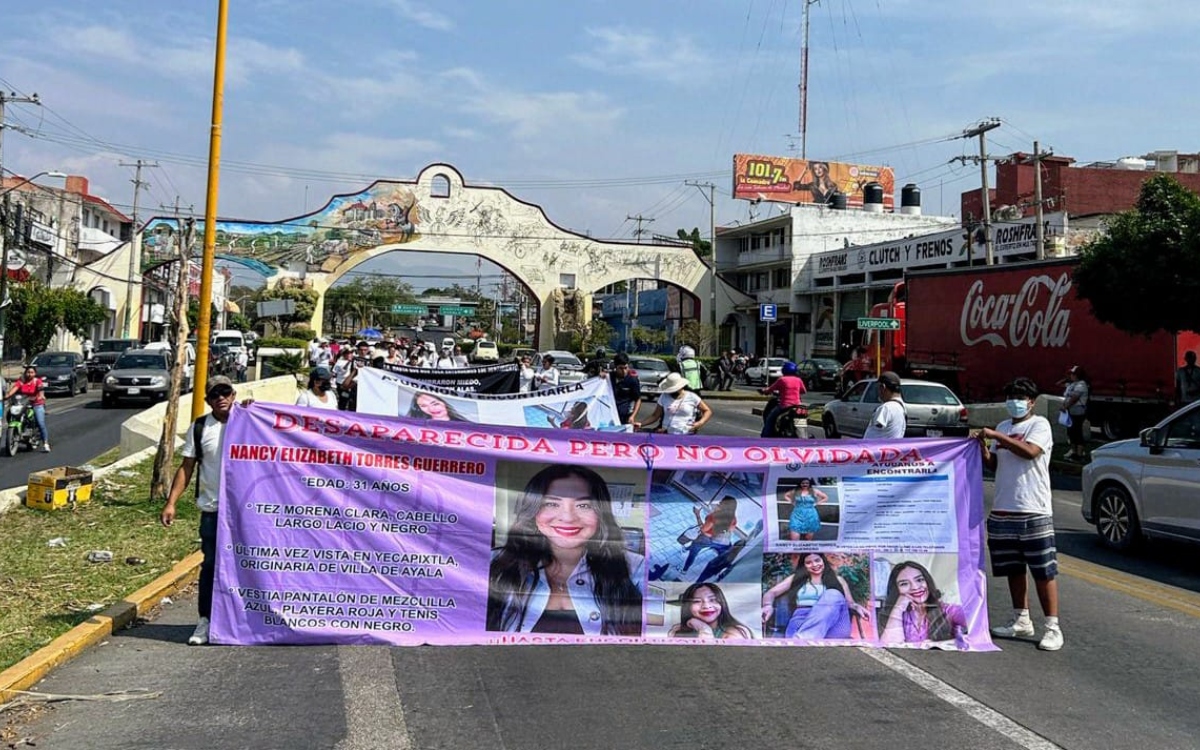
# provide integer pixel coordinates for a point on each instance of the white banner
(582, 406)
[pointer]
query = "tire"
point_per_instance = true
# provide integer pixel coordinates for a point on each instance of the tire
(831, 430)
(1111, 425)
(11, 441)
(1116, 518)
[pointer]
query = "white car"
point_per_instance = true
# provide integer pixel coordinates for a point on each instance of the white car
(930, 410)
(1147, 487)
(765, 371)
(485, 351)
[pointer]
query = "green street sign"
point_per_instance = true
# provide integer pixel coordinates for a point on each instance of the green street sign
(879, 324)
(455, 310)
(410, 310)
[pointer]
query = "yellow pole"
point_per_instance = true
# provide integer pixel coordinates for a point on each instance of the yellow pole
(204, 328)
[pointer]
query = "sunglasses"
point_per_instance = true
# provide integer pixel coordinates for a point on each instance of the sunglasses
(221, 391)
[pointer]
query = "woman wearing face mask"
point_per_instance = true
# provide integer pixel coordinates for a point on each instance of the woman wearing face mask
(678, 410)
(914, 611)
(319, 393)
(818, 601)
(704, 613)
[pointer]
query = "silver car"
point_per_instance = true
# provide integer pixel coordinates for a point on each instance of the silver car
(138, 374)
(650, 373)
(930, 410)
(570, 369)
(1147, 487)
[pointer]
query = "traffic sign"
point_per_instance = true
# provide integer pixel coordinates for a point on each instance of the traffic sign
(879, 324)
(410, 310)
(768, 312)
(455, 310)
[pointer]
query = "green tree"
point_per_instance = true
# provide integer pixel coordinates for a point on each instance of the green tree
(38, 311)
(651, 339)
(238, 321)
(703, 247)
(599, 334)
(1143, 274)
(700, 336)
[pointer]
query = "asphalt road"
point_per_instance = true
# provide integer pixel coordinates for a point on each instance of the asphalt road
(79, 431)
(1128, 677)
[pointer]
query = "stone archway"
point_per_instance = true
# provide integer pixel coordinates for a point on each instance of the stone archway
(439, 212)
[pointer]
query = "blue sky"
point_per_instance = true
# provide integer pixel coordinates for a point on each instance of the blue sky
(595, 109)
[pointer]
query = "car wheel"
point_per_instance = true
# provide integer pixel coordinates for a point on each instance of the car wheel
(831, 430)
(1116, 519)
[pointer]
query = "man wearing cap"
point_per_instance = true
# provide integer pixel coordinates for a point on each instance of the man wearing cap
(210, 429)
(888, 421)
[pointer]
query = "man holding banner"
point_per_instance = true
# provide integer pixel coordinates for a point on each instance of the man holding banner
(627, 389)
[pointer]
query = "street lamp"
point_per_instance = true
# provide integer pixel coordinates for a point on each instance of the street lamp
(4, 301)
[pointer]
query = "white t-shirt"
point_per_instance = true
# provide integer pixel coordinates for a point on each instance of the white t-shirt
(211, 438)
(1023, 486)
(888, 421)
(308, 398)
(526, 381)
(679, 414)
(547, 378)
(342, 369)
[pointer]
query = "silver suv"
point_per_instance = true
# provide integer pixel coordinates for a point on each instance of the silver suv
(930, 410)
(1147, 487)
(138, 374)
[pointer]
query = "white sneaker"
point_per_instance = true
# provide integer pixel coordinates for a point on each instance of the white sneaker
(1052, 640)
(200, 634)
(45, 447)
(1017, 627)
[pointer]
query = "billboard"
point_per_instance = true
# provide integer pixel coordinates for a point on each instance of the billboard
(787, 180)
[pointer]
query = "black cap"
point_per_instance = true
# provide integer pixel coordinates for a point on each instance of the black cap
(891, 380)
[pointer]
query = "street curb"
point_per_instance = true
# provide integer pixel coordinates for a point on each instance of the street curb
(15, 496)
(30, 670)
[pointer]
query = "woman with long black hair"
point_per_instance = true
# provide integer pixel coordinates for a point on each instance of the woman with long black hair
(914, 611)
(564, 567)
(818, 600)
(704, 613)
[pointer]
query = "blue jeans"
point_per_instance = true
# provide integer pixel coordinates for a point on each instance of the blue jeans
(39, 414)
(700, 543)
(208, 546)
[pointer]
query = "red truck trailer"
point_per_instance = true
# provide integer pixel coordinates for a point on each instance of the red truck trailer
(975, 329)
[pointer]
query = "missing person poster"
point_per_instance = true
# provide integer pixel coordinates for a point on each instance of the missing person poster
(344, 528)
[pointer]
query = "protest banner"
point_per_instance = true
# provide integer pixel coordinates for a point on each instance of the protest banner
(482, 379)
(588, 405)
(343, 528)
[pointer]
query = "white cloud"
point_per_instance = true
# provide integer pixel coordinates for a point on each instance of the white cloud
(100, 41)
(567, 114)
(420, 15)
(642, 55)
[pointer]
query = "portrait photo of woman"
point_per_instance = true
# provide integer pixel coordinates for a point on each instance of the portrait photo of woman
(817, 181)
(566, 566)
(814, 601)
(915, 609)
(806, 509)
(433, 407)
(704, 612)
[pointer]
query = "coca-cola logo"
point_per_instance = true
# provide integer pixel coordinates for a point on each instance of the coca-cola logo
(1032, 317)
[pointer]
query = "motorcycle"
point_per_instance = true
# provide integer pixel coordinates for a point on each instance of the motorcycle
(792, 422)
(20, 426)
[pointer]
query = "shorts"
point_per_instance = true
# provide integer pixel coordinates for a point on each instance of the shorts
(1022, 541)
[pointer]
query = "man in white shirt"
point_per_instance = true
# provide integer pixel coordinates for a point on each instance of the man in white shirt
(460, 359)
(446, 360)
(1021, 525)
(242, 364)
(888, 422)
(220, 396)
(314, 346)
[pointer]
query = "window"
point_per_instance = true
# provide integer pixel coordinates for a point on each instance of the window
(1185, 431)
(439, 186)
(566, 280)
(782, 278)
(856, 392)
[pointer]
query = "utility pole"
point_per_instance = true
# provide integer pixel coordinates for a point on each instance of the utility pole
(637, 233)
(1040, 231)
(134, 243)
(804, 83)
(4, 213)
(712, 248)
(981, 130)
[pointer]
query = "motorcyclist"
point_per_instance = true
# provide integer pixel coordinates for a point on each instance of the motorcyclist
(34, 388)
(788, 390)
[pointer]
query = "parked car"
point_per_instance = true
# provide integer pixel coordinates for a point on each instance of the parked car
(819, 374)
(766, 371)
(106, 352)
(570, 368)
(520, 352)
(485, 351)
(189, 360)
(1147, 487)
(930, 410)
(64, 372)
(650, 373)
(138, 374)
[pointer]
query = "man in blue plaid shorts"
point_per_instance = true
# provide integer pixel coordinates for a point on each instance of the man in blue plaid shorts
(1021, 525)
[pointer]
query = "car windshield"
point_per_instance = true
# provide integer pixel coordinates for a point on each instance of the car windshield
(929, 395)
(776, 362)
(649, 364)
(119, 345)
(140, 362)
(827, 364)
(563, 358)
(52, 360)
(228, 341)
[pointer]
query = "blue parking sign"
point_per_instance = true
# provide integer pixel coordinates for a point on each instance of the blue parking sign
(768, 312)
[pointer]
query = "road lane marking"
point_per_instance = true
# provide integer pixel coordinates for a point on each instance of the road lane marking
(1160, 594)
(981, 713)
(374, 713)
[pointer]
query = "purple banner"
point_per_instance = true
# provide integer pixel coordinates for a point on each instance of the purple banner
(353, 528)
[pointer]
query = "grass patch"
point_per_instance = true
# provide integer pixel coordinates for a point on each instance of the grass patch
(45, 591)
(107, 458)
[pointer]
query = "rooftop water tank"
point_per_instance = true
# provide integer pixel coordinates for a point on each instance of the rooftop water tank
(1131, 163)
(838, 201)
(873, 197)
(910, 200)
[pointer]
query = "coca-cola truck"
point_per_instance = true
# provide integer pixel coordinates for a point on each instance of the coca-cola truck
(975, 329)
